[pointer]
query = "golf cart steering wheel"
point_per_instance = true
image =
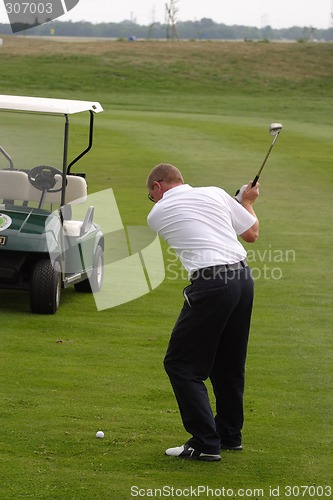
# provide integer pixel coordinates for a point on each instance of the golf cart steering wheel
(43, 178)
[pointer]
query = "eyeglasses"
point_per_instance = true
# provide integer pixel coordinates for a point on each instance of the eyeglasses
(149, 195)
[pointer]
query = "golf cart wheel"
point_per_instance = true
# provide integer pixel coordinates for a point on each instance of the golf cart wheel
(94, 283)
(45, 287)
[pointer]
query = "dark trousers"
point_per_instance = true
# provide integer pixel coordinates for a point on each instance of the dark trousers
(209, 340)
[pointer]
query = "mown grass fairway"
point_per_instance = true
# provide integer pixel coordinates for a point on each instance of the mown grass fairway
(205, 107)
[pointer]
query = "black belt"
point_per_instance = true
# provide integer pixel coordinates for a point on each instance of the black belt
(214, 271)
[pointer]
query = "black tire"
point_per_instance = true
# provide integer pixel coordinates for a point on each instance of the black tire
(95, 282)
(45, 287)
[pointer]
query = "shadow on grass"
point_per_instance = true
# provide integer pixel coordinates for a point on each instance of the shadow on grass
(17, 301)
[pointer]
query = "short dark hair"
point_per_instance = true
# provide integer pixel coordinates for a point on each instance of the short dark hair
(166, 172)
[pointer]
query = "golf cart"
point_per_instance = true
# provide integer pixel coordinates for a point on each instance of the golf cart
(43, 247)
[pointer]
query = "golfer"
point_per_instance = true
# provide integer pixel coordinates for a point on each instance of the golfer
(210, 337)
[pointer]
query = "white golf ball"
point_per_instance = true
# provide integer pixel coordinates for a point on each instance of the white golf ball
(100, 434)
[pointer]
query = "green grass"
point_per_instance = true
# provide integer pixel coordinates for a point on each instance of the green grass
(205, 107)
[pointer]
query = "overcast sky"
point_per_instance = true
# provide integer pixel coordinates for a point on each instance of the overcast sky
(259, 13)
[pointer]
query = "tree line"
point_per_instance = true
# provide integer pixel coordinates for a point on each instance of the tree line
(205, 29)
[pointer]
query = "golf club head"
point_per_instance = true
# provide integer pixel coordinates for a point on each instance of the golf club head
(275, 128)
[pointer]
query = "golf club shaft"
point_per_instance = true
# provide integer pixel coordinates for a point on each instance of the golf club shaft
(255, 180)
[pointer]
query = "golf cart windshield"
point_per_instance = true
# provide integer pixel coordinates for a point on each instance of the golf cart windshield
(35, 149)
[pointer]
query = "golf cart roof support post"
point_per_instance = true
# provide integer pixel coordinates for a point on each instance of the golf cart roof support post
(64, 164)
(91, 136)
(6, 155)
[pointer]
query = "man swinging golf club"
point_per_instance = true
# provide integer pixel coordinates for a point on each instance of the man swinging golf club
(210, 337)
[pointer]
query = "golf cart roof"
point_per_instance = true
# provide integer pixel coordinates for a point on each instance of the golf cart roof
(46, 105)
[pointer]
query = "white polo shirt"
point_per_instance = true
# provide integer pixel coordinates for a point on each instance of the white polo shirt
(201, 224)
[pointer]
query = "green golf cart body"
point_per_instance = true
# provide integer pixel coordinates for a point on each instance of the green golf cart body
(43, 247)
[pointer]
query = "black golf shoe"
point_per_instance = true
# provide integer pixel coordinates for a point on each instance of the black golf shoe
(231, 448)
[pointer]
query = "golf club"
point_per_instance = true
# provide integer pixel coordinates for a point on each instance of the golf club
(274, 129)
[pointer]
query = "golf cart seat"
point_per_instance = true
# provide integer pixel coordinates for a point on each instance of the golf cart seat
(14, 185)
(76, 191)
